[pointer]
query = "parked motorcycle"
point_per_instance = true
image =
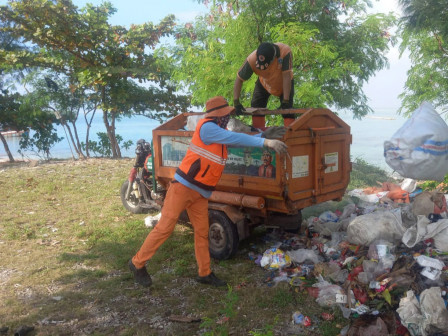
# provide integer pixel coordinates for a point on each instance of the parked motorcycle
(136, 192)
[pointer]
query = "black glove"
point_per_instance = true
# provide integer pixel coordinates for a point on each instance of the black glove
(285, 105)
(275, 132)
(239, 108)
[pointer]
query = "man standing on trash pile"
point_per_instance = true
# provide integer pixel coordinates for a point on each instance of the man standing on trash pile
(193, 183)
(272, 63)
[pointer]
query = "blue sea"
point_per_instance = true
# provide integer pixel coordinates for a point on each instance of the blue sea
(368, 135)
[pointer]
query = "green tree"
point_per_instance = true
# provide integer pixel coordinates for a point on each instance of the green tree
(8, 102)
(424, 33)
(66, 99)
(8, 110)
(15, 114)
(336, 49)
(104, 58)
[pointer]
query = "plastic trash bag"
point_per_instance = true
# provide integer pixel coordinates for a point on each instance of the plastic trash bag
(429, 202)
(433, 310)
(349, 209)
(331, 295)
(336, 274)
(236, 125)
(365, 229)
(408, 185)
(410, 315)
(426, 317)
(369, 198)
(374, 326)
(327, 228)
(424, 229)
(275, 258)
(371, 270)
(301, 255)
(383, 251)
(328, 216)
(419, 149)
(151, 221)
(192, 122)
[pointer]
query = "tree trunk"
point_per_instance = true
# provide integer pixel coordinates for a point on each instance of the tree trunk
(109, 129)
(71, 138)
(5, 144)
(77, 145)
(88, 123)
(111, 135)
(117, 146)
(87, 141)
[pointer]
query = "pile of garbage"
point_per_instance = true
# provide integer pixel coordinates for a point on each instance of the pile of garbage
(382, 260)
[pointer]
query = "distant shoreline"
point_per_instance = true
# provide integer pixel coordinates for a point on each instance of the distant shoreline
(382, 118)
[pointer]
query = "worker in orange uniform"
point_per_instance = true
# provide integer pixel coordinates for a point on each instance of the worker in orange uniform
(193, 183)
(272, 63)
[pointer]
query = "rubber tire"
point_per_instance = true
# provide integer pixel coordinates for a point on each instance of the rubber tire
(223, 236)
(132, 204)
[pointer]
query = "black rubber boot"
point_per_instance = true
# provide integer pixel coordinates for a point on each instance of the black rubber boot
(211, 279)
(141, 275)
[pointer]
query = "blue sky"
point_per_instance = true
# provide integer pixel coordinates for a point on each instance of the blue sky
(382, 89)
(140, 11)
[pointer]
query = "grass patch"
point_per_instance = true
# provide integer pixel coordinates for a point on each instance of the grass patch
(66, 240)
(364, 175)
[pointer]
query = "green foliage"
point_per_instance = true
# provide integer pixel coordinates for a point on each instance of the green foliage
(268, 330)
(103, 57)
(111, 61)
(229, 303)
(366, 175)
(424, 33)
(433, 185)
(282, 297)
(336, 49)
(219, 326)
(102, 148)
(11, 117)
(42, 140)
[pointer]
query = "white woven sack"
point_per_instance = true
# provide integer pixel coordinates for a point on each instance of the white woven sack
(419, 149)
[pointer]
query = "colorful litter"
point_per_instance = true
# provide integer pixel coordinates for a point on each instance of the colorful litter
(381, 259)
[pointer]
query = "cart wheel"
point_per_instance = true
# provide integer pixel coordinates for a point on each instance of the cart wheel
(222, 235)
(132, 203)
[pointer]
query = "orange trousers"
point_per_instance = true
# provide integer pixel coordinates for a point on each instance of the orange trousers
(179, 198)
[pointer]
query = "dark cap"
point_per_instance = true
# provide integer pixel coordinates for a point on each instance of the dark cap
(265, 54)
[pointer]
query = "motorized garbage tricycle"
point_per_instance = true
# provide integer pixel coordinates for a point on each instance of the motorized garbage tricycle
(258, 186)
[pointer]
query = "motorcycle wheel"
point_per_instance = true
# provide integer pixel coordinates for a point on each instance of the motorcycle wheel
(132, 204)
(222, 235)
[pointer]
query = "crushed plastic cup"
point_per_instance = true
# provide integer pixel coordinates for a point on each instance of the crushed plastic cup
(307, 321)
(298, 317)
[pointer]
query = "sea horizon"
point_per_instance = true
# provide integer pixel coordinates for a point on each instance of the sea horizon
(368, 136)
